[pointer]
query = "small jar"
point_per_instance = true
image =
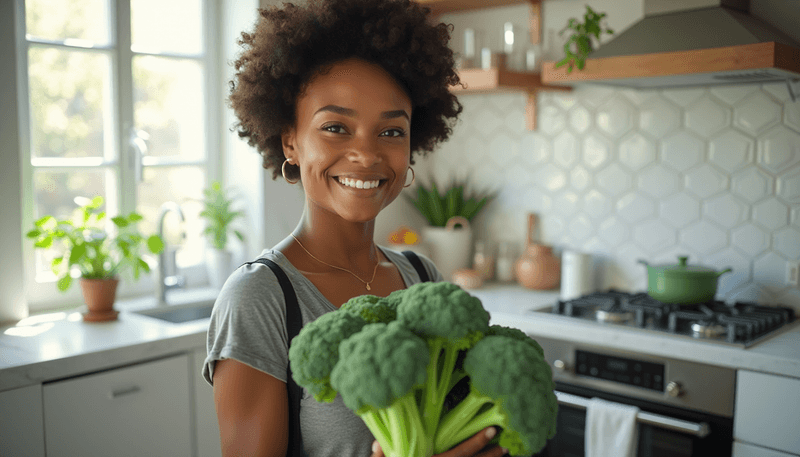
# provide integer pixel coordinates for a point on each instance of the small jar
(483, 261)
(504, 270)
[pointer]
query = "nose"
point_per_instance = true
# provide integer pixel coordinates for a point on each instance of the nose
(365, 151)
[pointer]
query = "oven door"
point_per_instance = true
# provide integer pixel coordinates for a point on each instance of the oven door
(664, 431)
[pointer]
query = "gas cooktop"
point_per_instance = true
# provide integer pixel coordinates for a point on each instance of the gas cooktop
(742, 324)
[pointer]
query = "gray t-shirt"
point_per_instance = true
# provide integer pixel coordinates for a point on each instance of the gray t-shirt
(248, 324)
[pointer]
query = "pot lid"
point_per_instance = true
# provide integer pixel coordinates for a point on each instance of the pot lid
(682, 267)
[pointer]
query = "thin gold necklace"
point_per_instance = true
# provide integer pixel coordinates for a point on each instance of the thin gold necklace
(340, 268)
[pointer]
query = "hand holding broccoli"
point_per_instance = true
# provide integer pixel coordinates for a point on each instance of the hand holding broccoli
(425, 371)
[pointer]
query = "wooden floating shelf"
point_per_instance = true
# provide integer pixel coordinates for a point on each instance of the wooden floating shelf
(450, 6)
(478, 80)
(439, 7)
(653, 69)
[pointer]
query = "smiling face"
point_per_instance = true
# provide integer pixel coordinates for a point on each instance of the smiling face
(351, 140)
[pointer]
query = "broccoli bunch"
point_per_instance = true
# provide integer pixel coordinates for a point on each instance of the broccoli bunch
(395, 361)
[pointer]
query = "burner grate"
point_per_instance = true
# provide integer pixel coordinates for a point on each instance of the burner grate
(738, 323)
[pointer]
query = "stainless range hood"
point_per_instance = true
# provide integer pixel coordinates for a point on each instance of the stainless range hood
(682, 43)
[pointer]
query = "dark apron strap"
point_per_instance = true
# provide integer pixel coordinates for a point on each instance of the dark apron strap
(294, 323)
(417, 263)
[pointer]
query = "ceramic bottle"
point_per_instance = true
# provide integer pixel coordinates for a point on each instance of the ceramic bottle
(537, 268)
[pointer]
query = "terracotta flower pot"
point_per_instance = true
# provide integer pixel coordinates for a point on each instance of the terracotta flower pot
(99, 295)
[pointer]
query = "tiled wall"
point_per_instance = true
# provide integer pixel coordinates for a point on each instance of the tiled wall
(713, 173)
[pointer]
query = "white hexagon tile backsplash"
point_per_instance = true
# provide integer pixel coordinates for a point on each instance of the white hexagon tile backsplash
(713, 173)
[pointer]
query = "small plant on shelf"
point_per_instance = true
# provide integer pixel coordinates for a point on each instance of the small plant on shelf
(579, 44)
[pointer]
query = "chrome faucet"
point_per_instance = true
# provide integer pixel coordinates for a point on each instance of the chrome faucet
(163, 280)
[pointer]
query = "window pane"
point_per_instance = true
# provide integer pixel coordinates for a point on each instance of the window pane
(173, 26)
(169, 105)
(70, 103)
(184, 186)
(84, 20)
(55, 193)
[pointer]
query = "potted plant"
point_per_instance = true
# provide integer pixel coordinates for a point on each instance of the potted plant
(579, 44)
(219, 217)
(448, 236)
(98, 250)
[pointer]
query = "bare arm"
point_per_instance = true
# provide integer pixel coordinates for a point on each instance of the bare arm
(252, 410)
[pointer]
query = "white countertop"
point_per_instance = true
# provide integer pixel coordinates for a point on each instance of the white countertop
(510, 306)
(58, 345)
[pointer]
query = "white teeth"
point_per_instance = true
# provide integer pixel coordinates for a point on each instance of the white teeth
(358, 184)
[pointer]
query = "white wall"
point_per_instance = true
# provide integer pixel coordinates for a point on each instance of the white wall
(273, 207)
(12, 296)
(711, 172)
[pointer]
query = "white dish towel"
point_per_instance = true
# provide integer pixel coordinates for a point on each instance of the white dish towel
(611, 429)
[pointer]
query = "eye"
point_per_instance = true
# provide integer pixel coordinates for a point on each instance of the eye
(334, 128)
(394, 133)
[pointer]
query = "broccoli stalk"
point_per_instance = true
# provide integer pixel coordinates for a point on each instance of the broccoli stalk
(470, 416)
(450, 320)
(442, 376)
(511, 387)
(399, 427)
(379, 374)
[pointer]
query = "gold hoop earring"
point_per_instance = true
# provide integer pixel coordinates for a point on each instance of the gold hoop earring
(413, 178)
(283, 172)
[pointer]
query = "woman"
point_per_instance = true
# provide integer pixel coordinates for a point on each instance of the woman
(336, 96)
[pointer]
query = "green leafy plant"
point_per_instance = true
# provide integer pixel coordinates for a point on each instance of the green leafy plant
(219, 216)
(90, 247)
(579, 44)
(438, 207)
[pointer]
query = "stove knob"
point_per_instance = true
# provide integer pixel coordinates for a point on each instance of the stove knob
(560, 365)
(674, 389)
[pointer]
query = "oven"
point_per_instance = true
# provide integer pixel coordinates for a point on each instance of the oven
(685, 409)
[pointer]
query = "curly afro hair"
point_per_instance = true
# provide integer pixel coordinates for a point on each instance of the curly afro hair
(292, 44)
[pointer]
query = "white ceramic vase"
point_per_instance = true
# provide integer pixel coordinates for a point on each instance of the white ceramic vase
(450, 247)
(219, 266)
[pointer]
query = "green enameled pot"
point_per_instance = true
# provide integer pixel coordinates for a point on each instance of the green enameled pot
(682, 283)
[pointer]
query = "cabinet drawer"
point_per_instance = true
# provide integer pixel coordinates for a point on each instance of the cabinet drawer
(766, 411)
(133, 411)
(22, 422)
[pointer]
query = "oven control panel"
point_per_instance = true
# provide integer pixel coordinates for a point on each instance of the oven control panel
(633, 372)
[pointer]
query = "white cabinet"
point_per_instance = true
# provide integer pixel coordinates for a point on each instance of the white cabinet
(140, 410)
(205, 421)
(767, 413)
(22, 422)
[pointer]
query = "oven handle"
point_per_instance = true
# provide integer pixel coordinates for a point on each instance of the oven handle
(692, 428)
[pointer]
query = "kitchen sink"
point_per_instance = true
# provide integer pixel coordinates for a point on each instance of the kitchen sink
(179, 313)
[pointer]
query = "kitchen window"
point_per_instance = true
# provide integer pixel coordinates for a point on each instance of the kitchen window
(121, 98)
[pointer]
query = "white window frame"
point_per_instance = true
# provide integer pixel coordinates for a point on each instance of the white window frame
(42, 294)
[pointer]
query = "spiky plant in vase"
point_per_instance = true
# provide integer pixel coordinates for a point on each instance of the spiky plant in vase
(448, 237)
(100, 252)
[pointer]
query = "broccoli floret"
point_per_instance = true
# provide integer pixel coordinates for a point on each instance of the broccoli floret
(516, 334)
(372, 309)
(377, 375)
(315, 350)
(451, 320)
(511, 386)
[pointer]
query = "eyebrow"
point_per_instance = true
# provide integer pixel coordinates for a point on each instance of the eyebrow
(352, 113)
